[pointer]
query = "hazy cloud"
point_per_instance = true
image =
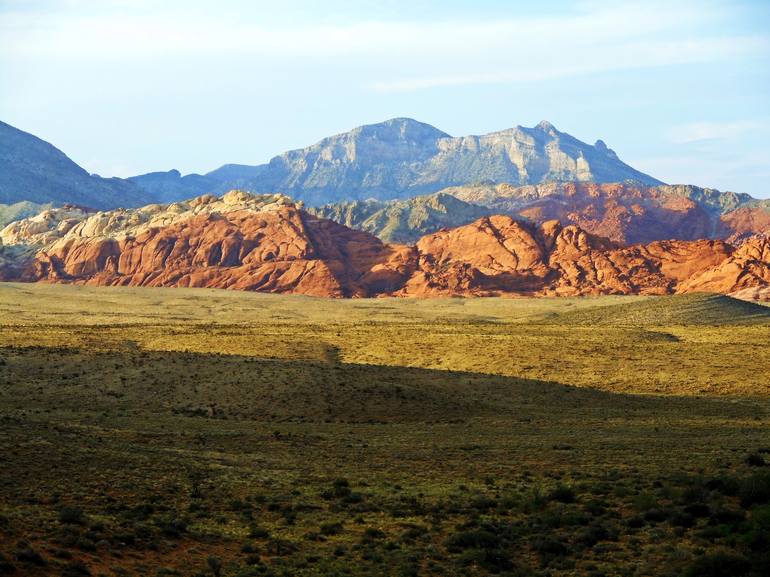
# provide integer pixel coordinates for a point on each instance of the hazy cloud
(704, 131)
(392, 56)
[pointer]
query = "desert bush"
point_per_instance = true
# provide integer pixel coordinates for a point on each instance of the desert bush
(720, 564)
(755, 460)
(72, 515)
(562, 494)
(215, 565)
(26, 554)
(372, 534)
(6, 567)
(332, 528)
(549, 548)
(755, 489)
(473, 539)
(257, 532)
(76, 569)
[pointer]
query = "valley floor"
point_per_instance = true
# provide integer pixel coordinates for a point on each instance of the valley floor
(185, 432)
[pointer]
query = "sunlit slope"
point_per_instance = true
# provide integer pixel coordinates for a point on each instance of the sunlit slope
(688, 345)
(690, 309)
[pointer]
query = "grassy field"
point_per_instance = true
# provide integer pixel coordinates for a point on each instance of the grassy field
(201, 432)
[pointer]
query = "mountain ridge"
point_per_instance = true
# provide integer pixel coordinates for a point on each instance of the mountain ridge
(34, 170)
(269, 243)
(625, 213)
(401, 157)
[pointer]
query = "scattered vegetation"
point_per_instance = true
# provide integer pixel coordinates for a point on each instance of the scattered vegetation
(208, 433)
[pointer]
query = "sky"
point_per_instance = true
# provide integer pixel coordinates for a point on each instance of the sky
(680, 90)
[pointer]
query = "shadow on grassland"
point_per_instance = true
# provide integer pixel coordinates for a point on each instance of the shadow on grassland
(133, 381)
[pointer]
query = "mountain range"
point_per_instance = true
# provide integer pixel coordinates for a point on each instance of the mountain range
(402, 157)
(269, 243)
(398, 158)
(32, 170)
(626, 213)
(369, 179)
(524, 211)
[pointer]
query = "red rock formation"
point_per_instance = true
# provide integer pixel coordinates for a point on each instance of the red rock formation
(744, 222)
(748, 267)
(623, 212)
(285, 250)
(279, 251)
(498, 255)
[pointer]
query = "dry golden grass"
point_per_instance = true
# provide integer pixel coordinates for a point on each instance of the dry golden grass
(187, 424)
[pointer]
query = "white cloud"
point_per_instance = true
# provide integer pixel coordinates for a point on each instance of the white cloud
(386, 56)
(705, 131)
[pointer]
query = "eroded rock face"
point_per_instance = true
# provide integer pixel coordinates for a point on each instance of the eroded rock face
(401, 157)
(623, 212)
(499, 255)
(628, 213)
(267, 243)
(279, 250)
(746, 269)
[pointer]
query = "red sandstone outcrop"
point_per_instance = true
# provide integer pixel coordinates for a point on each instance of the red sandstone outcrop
(626, 213)
(267, 243)
(284, 250)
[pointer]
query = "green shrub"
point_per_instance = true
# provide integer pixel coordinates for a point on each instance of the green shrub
(6, 567)
(473, 539)
(372, 534)
(257, 532)
(721, 564)
(334, 528)
(76, 569)
(562, 494)
(549, 548)
(755, 490)
(72, 516)
(215, 565)
(26, 554)
(755, 460)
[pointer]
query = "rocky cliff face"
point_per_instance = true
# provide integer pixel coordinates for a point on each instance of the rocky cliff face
(403, 221)
(268, 243)
(628, 213)
(499, 255)
(623, 212)
(402, 157)
(245, 242)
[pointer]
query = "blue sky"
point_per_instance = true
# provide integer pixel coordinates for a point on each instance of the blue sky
(680, 90)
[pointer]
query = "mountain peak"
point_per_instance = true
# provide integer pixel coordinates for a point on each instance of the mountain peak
(546, 126)
(401, 127)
